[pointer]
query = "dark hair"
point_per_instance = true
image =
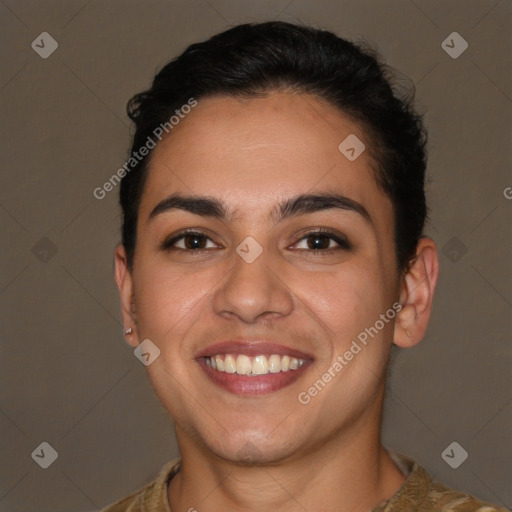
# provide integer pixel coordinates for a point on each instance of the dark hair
(252, 59)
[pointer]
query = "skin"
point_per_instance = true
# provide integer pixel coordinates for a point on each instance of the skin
(253, 154)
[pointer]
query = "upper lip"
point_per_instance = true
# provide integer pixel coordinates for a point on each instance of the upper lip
(251, 348)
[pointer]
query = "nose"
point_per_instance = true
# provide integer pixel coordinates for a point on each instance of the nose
(252, 291)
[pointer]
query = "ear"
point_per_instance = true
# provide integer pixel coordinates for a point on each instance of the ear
(124, 283)
(417, 295)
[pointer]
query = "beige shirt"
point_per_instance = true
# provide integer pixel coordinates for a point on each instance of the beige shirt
(419, 493)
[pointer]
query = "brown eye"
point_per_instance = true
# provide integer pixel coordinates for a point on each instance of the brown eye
(193, 241)
(189, 241)
(319, 241)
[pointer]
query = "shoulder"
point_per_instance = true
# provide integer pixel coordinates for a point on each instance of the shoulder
(421, 493)
(444, 499)
(152, 496)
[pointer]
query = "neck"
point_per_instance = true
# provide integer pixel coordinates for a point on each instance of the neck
(350, 472)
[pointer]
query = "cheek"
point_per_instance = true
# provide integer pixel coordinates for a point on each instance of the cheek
(344, 300)
(167, 300)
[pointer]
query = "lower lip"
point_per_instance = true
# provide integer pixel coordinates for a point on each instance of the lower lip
(257, 385)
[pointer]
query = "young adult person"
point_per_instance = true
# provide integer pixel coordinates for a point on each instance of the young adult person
(272, 253)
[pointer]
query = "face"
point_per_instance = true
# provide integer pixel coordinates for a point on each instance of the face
(286, 251)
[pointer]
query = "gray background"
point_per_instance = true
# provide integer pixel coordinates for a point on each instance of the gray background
(69, 379)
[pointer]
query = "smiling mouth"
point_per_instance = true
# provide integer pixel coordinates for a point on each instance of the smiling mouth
(242, 364)
(253, 375)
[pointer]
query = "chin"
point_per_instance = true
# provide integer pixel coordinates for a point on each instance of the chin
(252, 451)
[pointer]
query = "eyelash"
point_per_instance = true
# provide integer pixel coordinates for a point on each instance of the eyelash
(343, 244)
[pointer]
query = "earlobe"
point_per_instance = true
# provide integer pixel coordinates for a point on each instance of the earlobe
(417, 295)
(124, 283)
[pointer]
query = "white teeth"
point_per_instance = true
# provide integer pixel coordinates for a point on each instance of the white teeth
(274, 364)
(229, 364)
(243, 365)
(258, 365)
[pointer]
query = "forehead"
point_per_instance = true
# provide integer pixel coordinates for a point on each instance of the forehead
(252, 152)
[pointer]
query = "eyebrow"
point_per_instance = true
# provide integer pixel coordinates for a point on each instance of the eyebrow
(299, 205)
